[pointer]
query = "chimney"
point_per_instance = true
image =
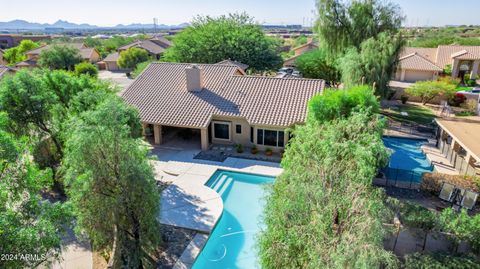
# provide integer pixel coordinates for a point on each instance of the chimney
(194, 77)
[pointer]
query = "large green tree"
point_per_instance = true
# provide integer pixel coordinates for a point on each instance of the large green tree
(344, 24)
(236, 37)
(323, 211)
(129, 59)
(60, 57)
(316, 64)
(428, 90)
(29, 225)
(17, 54)
(375, 62)
(111, 184)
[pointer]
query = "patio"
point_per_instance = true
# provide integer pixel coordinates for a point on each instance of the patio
(186, 202)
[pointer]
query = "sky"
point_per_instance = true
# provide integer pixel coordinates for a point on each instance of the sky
(113, 12)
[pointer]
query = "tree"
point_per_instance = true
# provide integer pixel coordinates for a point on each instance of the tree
(87, 69)
(323, 211)
(129, 59)
(375, 62)
(60, 57)
(17, 54)
(236, 37)
(428, 90)
(111, 183)
(334, 104)
(38, 103)
(28, 224)
(316, 64)
(343, 25)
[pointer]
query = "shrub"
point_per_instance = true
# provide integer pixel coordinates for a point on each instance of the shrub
(87, 69)
(129, 59)
(333, 104)
(433, 182)
(60, 57)
(440, 261)
(404, 99)
(239, 148)
(428, 90)
(254, 149)
(268, 151)
(470, 82)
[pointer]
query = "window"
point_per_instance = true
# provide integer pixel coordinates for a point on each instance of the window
(270, 138)
(251, 134)
(238, 129)
(221, 130)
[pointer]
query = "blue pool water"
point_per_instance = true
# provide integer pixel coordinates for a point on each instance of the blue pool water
(232, 243)
(407, 157)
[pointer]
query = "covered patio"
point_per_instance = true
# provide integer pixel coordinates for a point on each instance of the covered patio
(176, 137)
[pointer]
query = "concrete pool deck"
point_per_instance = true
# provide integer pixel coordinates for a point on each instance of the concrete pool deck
(187, 202)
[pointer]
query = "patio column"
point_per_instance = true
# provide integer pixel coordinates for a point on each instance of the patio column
(144, 127)
(455, 68)
(474, 74)
(204, 138)
(157, 134)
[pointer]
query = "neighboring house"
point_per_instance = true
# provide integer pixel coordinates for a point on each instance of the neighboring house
(90, 55)
(2, 60)
(235, 63)
(299, 51)
(458, 140)
(219, 104)
(12, 40)
(427, 63)
(154, 46)
(4, 70)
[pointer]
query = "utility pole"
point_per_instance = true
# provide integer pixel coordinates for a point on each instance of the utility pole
(155, 21)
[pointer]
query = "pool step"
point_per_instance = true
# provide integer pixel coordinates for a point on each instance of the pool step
(221, 184)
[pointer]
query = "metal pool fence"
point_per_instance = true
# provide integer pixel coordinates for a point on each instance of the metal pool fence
(400, 178)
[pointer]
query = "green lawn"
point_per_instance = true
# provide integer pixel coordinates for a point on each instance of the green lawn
(416, 114)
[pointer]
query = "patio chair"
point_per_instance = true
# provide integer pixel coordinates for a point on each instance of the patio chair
(469, 200)
(446, 192)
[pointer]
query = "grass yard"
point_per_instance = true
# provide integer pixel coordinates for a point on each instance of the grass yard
(416, 114)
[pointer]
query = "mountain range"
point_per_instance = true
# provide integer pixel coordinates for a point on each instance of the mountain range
(25, 25)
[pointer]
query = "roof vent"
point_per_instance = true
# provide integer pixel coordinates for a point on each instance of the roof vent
(194, 76)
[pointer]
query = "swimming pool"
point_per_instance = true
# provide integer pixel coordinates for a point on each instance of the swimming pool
(407, 161)
(232, 243)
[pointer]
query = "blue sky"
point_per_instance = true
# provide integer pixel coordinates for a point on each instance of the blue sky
(112, 12)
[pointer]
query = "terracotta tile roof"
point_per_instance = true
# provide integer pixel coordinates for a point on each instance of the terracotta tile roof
(235, 63)
(162, 41)
(112, 57)
(5, 70)
(415, 61)
(85, 52)
(154, 46)
(27, 63)
(444, 55)
(160, 95)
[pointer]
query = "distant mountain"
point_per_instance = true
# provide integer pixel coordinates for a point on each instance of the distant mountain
(25, 25)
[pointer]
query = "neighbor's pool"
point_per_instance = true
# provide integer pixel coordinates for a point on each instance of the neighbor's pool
(407, 161)
(232, 243)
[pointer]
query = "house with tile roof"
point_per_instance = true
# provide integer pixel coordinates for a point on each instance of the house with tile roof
(219, 104)
(154, 46)
(309, 46)
(4, 70)
(427, 63)
(231, 62)
(90, 55)
(2, 60)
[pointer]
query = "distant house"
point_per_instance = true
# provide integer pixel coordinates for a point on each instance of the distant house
(13, 40)
(234, 63)
(219, 104)
(90, 55)
(2, 60)
(154, 46)
(417, 64)
(4, 70)
(309, 46)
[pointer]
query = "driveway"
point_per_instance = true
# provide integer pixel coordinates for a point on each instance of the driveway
(118, 78)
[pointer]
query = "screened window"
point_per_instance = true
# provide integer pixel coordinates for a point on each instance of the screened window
(270, 138)
(221, 130)
(238, 129)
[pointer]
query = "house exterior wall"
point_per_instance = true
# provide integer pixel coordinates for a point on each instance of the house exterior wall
(451, 149)
(112, 66)
(95, 57)
(245, 137)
